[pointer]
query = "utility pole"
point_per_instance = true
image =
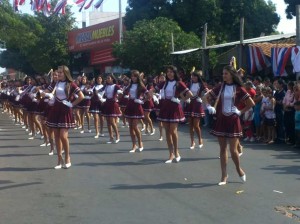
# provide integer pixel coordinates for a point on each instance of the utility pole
(241, 43)
(172, 42)
(204, 52)
(298, 25)
(83, 19)
(297, 33)
(120, 22)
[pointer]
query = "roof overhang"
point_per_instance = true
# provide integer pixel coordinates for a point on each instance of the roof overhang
(247, 41)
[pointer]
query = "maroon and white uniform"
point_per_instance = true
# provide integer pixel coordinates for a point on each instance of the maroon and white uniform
(61, 116)
(25, 100)
(32, 106)
(149, 104)
(124, 98)
(227, 123)
(171, 111)
(134, 109)
(86, 102)
(111, 106)
(194, 108)
(43, 107)
(96, 105)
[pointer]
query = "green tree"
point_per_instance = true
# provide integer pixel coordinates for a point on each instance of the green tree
(260, 17)
(291, 8)
(222, 16)
(39, 41)
(52, 45)
(148, 45)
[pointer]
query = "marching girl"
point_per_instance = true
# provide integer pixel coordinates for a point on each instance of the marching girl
(95, 107)
(228, 126)
(148, 106)
(194, 109)
(76, 112)
(48, 110)
(25, 100)
(32, 108)
(111, 110)
(171, 112)
(43, 107)
(134, 110)
(16, 103)
(61, 118)
(84, 105)
(124, 99)
(157, 103)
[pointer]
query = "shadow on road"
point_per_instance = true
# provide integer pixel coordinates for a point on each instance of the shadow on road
(19, 185)
(160, 186)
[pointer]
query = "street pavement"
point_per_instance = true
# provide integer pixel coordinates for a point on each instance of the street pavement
(108, 185)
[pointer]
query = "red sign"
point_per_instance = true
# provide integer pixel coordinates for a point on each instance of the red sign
(98, 36)
(101, 56)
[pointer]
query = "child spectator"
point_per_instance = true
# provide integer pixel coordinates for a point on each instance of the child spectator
(270, 117)
(257, 117)
(297, 124)
(248, 118)
(289, 114)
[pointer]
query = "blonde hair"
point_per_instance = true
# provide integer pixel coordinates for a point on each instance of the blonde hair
(66, 72)
(69, 79)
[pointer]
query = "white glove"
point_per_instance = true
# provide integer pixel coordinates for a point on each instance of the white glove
(49, 95)
(199, 100)
(102, 100)
(17, 98)
(34, 100)
(76, 96)
(188, 100)
(119, 91)
(235, 110)
(126, 96)
(155, 99)
(175, 100)
(67, 103)
(50, 101)
(32, 95)
(138, 101)
(211, 110)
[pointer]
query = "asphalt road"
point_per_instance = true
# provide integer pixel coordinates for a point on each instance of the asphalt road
(108, 185)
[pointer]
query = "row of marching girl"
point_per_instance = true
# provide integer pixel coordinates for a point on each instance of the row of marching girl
(61, 117)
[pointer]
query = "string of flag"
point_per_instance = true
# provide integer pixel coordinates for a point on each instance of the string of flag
(44, 6)
(279, 58)
(257, 60)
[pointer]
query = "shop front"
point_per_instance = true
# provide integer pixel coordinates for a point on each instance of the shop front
(91, 48)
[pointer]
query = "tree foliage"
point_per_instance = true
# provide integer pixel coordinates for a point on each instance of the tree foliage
(148, 45)
(39, 42)
(291, 8)
(222, 16)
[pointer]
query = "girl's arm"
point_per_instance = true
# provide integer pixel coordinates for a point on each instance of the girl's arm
(79, 99)
(249, 104)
